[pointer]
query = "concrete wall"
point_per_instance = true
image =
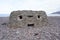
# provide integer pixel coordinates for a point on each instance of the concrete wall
(28, 18)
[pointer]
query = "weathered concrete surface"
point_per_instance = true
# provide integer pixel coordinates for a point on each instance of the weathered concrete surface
(28, 17)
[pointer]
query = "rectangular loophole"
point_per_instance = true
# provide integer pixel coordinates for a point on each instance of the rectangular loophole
(30, 16)
(29, 25)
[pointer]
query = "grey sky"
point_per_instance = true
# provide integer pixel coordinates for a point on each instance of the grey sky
(6, 6)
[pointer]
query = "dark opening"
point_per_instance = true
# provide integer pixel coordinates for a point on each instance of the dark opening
(38, 16)
(20, 17)
(29, 16)
(30, 25)
(35, 34)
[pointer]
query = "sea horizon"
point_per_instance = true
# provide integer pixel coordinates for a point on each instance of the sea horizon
(7, 15)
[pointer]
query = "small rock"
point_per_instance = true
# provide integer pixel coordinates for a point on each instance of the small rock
(4, 24)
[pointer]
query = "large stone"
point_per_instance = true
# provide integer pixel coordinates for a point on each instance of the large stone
(28, 18)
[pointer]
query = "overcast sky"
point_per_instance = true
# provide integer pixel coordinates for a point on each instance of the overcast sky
(6, 6)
